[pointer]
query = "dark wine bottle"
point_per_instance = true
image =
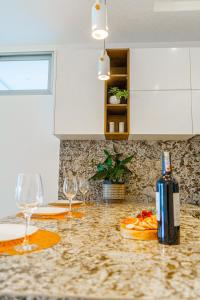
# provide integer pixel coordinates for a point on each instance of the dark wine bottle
(168, 204)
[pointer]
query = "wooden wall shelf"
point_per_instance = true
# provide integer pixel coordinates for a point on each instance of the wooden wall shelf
(117, 136)
(119, 68)
(119, 76)
(116, 108)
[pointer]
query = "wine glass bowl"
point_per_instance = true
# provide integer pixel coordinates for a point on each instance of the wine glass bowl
(28, 196)
(70, 188)
(83, 187)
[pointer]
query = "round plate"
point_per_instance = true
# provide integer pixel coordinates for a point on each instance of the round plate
(49, 210)
(9, 232)
(65, 202)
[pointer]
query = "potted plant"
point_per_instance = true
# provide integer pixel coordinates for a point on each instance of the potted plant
(118, 95)
(113, 171)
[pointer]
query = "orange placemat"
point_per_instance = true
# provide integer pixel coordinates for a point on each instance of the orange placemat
(42, 238)
(63, 216)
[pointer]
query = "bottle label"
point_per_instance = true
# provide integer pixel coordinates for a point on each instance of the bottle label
(176, 203)
(158, 206)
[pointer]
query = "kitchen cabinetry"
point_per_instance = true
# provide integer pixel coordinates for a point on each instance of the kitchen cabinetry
(79, 108)
(195, 68)
(116, 113)
(161, 103)
(160, 69)
(164, 94)
(161, 113)
(196, 111)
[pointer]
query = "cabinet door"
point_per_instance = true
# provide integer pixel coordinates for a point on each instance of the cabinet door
(161, 112)
(195, 67)
(79, 108)
(160, 69)
(196, 111)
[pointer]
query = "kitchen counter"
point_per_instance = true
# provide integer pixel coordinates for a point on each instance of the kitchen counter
(93, 261)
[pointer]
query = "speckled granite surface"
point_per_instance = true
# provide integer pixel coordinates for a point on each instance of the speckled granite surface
(94, 261)
(82, 157)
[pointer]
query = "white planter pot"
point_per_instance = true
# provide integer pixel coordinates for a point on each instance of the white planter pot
(113, 192)
(114, 100)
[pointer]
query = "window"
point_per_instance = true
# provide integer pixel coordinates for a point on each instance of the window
(26, 73)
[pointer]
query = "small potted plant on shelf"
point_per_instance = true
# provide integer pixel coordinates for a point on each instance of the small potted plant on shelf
(118, 95)
(113, 171)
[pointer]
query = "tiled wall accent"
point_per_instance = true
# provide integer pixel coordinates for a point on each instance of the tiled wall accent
(81, 157)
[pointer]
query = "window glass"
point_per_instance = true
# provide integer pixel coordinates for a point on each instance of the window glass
(25, 73)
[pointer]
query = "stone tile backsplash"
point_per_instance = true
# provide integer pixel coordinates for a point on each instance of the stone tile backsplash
(82, 157)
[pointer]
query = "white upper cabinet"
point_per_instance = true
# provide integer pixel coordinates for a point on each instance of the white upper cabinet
(160, 69)
(195, 68)
(161, 112)
(79, 108)
(196, 111)
(161, 102)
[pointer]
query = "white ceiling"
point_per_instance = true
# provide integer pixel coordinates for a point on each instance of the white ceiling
(68, 21)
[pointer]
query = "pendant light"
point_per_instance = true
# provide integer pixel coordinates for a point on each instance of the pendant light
(104, 65)
(99, 20)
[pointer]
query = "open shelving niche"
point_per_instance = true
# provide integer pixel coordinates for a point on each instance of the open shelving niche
(119, 69)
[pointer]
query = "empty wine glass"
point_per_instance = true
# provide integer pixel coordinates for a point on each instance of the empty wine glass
(70, 188)
(83, 187)
(29, 196)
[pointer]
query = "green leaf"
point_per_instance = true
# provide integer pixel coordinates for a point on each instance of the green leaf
(100, 167)
(117, 157)
(99, 176)
(113, 90)
(106, 152)
(117, 175)
(127, 170)
(108, 161)
(127, 160)
(114, 167)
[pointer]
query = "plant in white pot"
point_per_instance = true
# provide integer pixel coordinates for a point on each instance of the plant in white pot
(113, 171)
(117, 95)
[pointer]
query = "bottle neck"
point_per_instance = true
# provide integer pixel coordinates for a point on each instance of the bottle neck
(166, 164)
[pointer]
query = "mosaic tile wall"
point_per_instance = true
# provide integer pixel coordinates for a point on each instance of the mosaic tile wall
(81, 158)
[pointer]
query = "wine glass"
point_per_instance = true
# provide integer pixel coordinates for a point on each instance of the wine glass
(29, 196)
(70, 188)
(83, 187)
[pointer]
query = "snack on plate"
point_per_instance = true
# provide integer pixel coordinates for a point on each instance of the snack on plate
(142, 227)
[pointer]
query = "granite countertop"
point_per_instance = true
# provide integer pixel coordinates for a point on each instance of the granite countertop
(94, 261)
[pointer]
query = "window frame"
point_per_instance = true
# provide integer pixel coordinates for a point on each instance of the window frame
(30, 56)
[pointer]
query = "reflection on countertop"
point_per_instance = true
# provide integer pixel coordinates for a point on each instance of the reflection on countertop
(94, 261)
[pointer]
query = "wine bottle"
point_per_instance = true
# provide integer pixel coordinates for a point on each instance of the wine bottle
(168, 204)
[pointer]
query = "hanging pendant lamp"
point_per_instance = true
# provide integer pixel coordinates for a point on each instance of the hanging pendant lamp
(104, 65)
(99, 20)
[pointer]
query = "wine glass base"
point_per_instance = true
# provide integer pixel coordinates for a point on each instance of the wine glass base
(69, 215)
(26, 248)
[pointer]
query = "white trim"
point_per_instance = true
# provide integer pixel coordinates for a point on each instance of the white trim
(26, 56)
(54, 78)
(191, 95)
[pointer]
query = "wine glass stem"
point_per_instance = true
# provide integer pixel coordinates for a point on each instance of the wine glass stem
(84, 199)
(27, 218)
(70, 205)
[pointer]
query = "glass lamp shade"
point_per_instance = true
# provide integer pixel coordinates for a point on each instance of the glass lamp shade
(99, 20)
(104, 66)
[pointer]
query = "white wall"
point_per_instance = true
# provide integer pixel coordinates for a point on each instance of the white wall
(26, 133)
(27, 144)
